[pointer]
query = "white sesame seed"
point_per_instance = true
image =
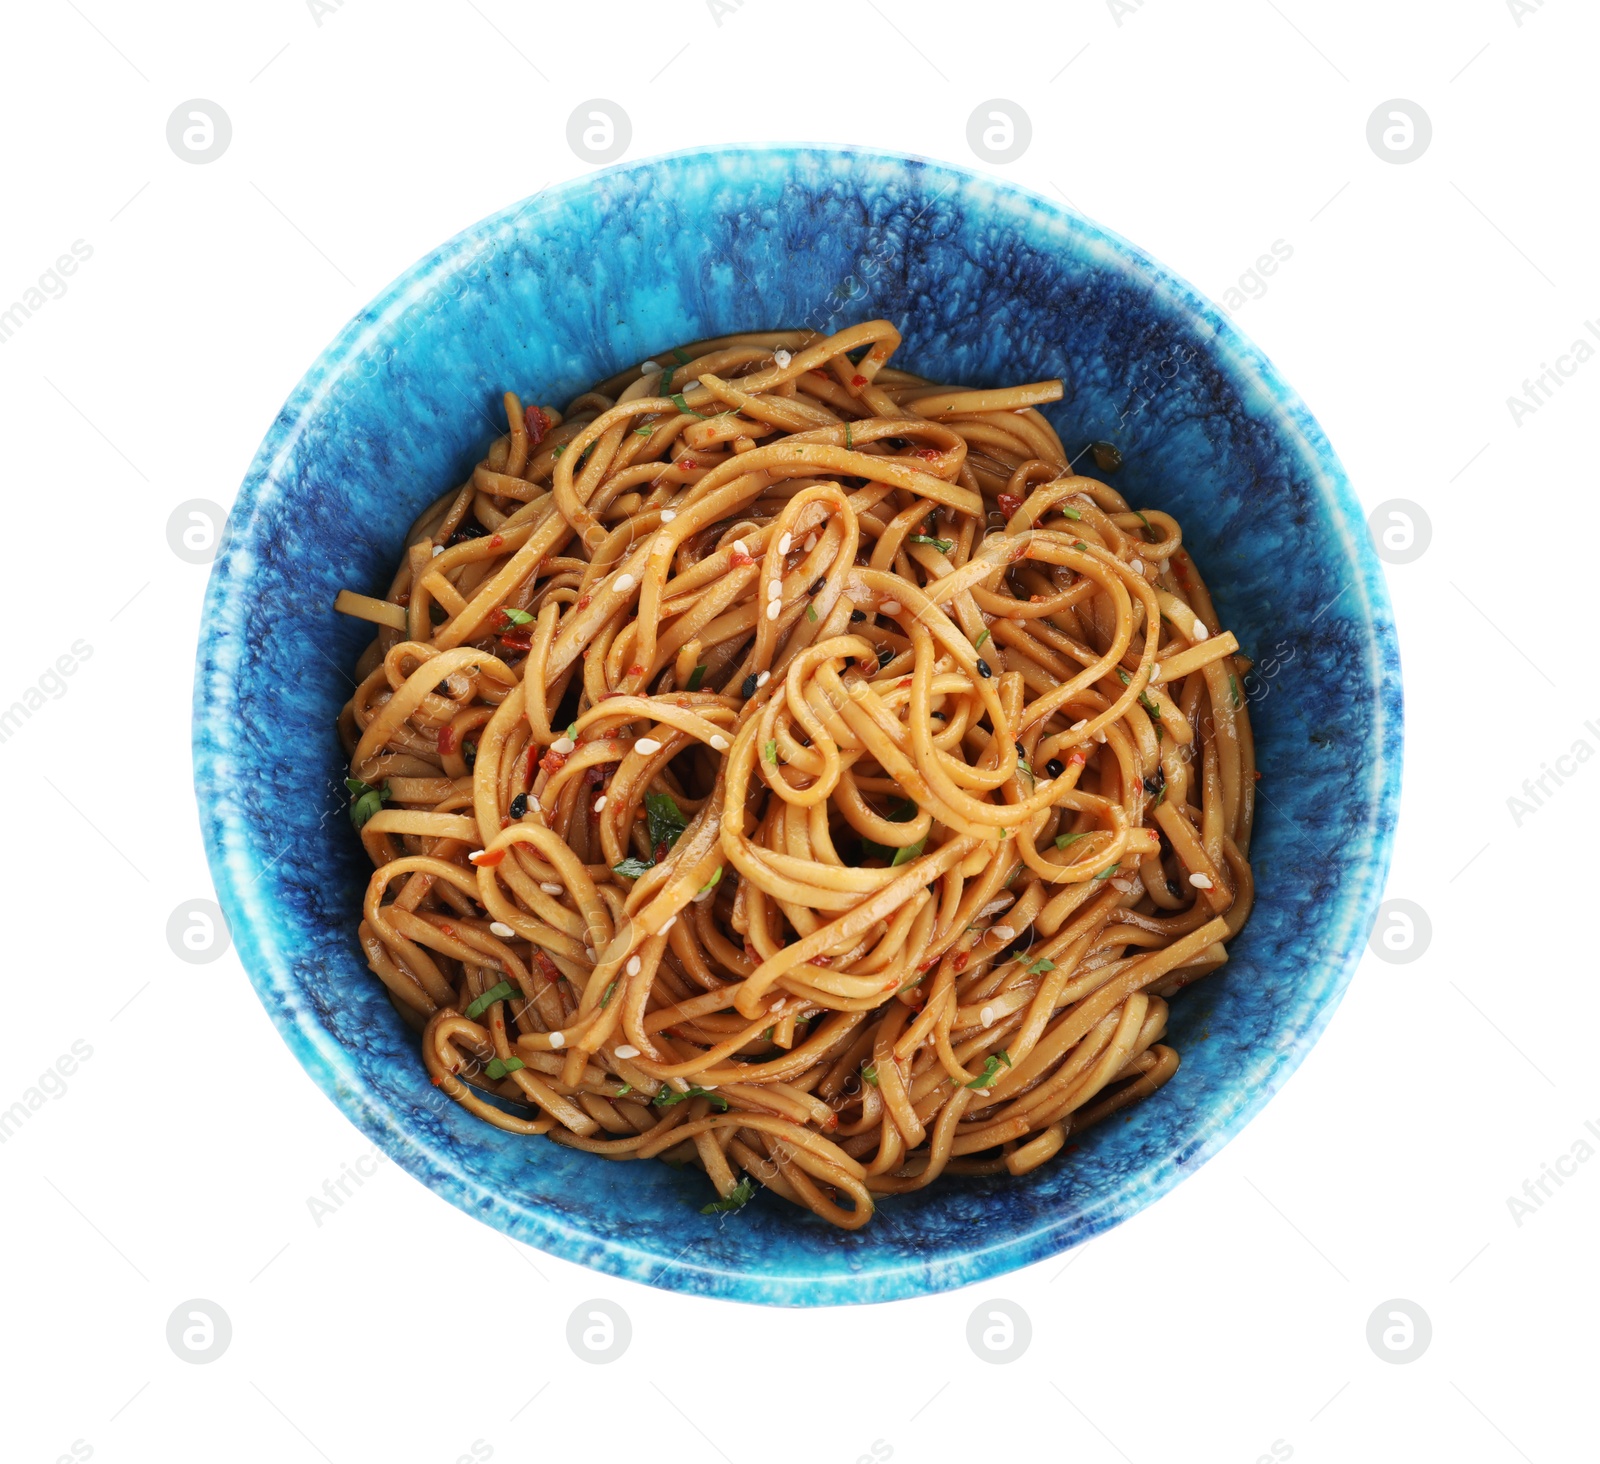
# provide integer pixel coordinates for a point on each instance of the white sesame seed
(590, 953)
(738, 547)
(600, 804)
(1002, 933)
(626, 1051)
(475, 855)
(1200, 881)
(762, 678)
(438, 549)
(558, 1039)
(775, 590)
(1079, 725)
(785, 543)
(633, 965)
(994, 907)
(500, 928)
(563, 745)
(648, 367)
(890, 607)
(810, 543)
(1122, 885)
(774, 609)
(668, 514)
(1099, 736)
(1199, 633)
(1137, 566)
(986, 1016)
(646, 745)
(625, 582)
(783, 358)
(1155, 672)
(690, 385)
(719, 742)
(1164, 566)
(671, 921)
(551, 889)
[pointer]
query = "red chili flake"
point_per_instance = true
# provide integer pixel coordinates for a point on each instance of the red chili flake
(822, 960)
(929, 964)
(688, 464)
(582, 603)
(927, 454)
(1076, 757)
(636, 670)
(1256, 775)
(404, 599)
(1037, 599)
(858, 381)
(447, 740)
(533, 761)
(1009, 503)
(516, 642)
(831, 1122)
(449, 930)
(739, 559)
(659, 853)
(487, 860)
(537, 425)
(960, 962)
(552, 762)
(496, 542)
(547, 967)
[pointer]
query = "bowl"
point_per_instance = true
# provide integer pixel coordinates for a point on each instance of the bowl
(990, 285)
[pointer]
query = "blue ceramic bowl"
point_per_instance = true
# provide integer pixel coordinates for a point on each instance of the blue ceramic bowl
(990, 285)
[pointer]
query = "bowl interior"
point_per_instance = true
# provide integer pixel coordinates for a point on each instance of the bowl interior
(989, 286)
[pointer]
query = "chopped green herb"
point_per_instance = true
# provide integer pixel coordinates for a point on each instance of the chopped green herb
(770, 752)
(683, 406)
(1072, 513)
(991, 1066)
(665, 818)
(1081, 545)
(1108, 871)
(1143, 520)
(500, 1066)
(944, 546)
(1065, 839)
(1039, 967)
(625, 1088)
(696, 677)
(572, 731)
(847, 441)
(668, 1096)
(1233, 684)
(738, 1197)
(1160, 797)
(681, 356)
(977, 645)
(869, 1074)
(559, 450)
(712, 883)
(644, 431)
(515, 616)
(1123, 675)
(811, 613)
(910, 852)
(495, 993)
(632, 868)
(365, 800)
(1150, 706)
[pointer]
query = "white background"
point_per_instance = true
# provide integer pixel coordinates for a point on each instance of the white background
(1231, 1316)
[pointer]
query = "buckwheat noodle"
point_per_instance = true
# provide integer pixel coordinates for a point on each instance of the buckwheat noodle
(783, 765)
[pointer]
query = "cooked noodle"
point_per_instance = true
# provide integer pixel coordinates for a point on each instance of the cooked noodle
(786, 766)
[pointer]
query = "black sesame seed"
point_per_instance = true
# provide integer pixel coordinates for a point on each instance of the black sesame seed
(1152, 786)
(816, 589)
(856, 617)
(1022, 752)
(748, 690)
(885, 656)
(442, 689)
(519, 805)
(1055, 767)
(984, 669)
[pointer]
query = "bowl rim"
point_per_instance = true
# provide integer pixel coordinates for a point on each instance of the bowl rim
(331, 1065)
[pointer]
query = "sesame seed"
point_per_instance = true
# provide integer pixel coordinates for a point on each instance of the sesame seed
(551, 889)
(1100, 736)
(563, 745)
(1199, 633)
(646, 746)
(1155, 672)
(648, 367)
(671, 921)
(438, 549)
(890, 607)
(737, 547)
(626, 1051)
(986, 1016)
(600, 803)
(558, 1039)
(690, 385)
(774, 609)
(775, 590)
(633, 965)
(625, 582)
(1137, 566)
(994, 907)
(810, 543)
(1002, 933)
(719, 742)
(785, 543)
(1123, 885)
(783, 358)
(1079, 726)
(590, 953)
(984, 669)
(1201, 881)
(668, 514)
(763, 677)
(500, 928)
(1164, 566)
